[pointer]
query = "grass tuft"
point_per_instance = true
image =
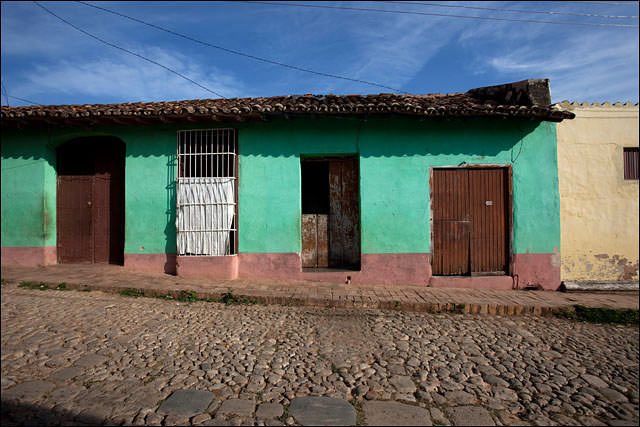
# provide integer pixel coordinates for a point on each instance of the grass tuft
(601, 315)
(31, 285)
(132, 293)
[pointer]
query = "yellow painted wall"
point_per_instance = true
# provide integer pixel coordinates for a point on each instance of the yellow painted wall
(598, 207)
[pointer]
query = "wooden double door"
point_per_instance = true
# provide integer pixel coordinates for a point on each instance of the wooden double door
(90, 201)
(330, 213)
(471, 221)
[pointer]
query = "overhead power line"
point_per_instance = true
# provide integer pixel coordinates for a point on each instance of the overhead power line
(246, 55)
(129, 52)
(513, 10)
(4, 92)
(21, 99)
(407, 12)
(610, 3)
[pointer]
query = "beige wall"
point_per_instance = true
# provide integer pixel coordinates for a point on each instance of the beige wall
(598, 208)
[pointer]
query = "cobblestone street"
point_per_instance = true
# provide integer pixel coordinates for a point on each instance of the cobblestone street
(71, 357)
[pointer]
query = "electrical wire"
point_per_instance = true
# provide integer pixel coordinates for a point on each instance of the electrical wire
(406, 12)
(21, 99)
(129, 52)
(512, 10)
(611, 3)
(4, 92)
(246, 55)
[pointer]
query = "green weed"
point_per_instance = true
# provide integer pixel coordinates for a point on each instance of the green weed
(31, 285)
(459, 308)
(163, 296)
(601, 315)
(229, 298)
(188, 296)
(132, 293)
(61, 286)
(285, 414)
(360, 420)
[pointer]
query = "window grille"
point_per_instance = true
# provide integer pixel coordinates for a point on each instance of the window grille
(206, 192)
(631, 163)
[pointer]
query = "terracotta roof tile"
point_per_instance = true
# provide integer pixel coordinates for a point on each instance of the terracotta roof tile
(433, 105)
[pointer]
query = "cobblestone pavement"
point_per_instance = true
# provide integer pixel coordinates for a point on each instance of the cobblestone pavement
(71, 357)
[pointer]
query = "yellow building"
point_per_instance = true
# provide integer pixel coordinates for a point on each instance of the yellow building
(599, 192)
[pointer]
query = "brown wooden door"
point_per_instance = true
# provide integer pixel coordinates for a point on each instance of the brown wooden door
(90, 201)
(344, 213)
(74, 218)
(470, 221)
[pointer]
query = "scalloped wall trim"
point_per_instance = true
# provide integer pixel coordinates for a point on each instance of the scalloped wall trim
(576, 104)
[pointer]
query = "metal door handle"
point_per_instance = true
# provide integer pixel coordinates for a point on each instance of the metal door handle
(89, 204)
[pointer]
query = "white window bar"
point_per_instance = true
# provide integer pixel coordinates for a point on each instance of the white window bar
(206, 196)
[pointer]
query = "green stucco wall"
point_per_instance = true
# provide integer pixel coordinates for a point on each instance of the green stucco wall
(28, 190)
(395, 156)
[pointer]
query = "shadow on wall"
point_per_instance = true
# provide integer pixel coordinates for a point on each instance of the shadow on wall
(473, 138)
(170, 231)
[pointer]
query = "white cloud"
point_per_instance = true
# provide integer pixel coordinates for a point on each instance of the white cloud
(581, 67)
(125, 78)
(393, 51)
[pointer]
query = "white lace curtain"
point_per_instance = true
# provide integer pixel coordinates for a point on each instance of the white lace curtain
(204, 221)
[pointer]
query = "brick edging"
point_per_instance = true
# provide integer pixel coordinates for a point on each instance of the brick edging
(404, 306)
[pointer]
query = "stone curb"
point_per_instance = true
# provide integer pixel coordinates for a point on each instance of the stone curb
(344, 302)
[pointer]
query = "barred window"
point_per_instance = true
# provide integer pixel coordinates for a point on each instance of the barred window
(630, 162)
(206, 192)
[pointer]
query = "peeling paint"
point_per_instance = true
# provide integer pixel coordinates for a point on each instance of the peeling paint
(630, 272)
(556, 260)
(600, 267)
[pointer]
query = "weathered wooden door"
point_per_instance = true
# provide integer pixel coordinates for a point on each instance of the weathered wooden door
(330, 213)
(470, 221)
(344, 213)
(74, 218)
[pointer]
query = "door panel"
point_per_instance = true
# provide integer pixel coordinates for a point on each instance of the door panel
(74, 210)
(489, 251)
(315, 248)
(344, 213)
(101, 217)
(451, 222)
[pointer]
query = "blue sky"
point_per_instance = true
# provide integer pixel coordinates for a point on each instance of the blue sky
(49, 62)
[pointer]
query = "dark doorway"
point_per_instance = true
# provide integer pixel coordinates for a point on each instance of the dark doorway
(90, 201)
(470, 221)
(330, 213)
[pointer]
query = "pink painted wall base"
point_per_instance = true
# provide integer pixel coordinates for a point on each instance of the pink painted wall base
(208, 267)
(537, 270)
(29, 256)
(376, 269)
(151, 263)
(386, 269)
